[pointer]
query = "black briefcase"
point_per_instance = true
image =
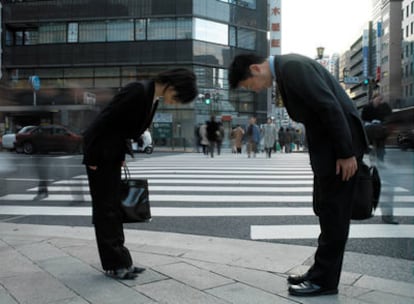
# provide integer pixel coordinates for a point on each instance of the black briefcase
(367, 192)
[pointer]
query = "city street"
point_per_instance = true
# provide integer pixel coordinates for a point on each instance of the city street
(226, 196)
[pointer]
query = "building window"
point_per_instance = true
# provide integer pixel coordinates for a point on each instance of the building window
(247, 39)
(140, 29)
(161, 29)
(72, 32)
(18, 38)
(243, 3)
(121, 30)
(52, 33)
(232, 36)
(184, 28)
(210, 31)
(92, 32)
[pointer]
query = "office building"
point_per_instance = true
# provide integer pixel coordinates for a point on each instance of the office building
(82, 52)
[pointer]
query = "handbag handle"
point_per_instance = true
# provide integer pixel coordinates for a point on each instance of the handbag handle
(126, 172)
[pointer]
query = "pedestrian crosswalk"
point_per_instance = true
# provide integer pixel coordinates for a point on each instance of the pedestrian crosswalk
(231, 186)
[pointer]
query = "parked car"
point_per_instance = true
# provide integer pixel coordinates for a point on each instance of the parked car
(405, 139)
(144, 143)
(48, 138)
(8, 139)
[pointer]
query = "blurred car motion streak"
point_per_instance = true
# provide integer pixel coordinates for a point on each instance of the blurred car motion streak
(8, 139)
(48, 138)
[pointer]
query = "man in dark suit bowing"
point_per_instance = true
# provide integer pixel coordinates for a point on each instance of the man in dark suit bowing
(336, 140)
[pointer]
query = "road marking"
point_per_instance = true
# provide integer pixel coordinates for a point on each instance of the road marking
(216, 176)
(202, 182)
(186, 212)
(273, 232)
(219, 198)
(214, 189)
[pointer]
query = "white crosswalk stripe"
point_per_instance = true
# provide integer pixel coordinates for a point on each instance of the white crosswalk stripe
(238, 187)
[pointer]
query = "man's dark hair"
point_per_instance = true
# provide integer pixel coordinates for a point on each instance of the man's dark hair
(239, 69)
(183, 81)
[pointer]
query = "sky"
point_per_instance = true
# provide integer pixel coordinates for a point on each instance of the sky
(333, 24)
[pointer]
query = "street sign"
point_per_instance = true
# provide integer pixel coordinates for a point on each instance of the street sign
(351, 80)
(162, 130)
(35, 82)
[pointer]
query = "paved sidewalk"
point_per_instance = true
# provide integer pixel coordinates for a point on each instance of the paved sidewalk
(60, 265)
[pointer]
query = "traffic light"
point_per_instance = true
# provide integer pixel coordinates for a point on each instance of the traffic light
(366, 81)
(207, 98)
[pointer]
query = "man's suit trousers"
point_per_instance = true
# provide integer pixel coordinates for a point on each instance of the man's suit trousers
(332, 199)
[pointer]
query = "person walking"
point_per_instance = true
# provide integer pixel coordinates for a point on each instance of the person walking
(288, 140)
(237, 139)
(336, 141)
(106, 141)
(203, 138)
(253, 137)
(281, 136)
(213, 133)
(374, 114)
(269, 137)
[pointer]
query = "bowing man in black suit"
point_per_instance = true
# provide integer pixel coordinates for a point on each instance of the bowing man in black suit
(126, 117)
(336, 140)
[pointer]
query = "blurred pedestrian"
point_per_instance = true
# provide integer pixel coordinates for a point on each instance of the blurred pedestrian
(213, 135)
(288, 140)
(203, 138)
(269, 137)
(252, 137)
(281, 136)
(336, 140)
(106, 141)
(374, 114)
(197, 138)
(237, 139)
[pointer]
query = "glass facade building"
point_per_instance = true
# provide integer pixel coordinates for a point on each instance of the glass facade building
(84, 50)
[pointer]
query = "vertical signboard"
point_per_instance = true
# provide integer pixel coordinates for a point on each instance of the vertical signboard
(365, 53)
(275, 35)
(275, 26)
(378, 57)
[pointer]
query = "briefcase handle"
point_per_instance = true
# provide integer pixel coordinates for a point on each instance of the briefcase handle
(126, 172)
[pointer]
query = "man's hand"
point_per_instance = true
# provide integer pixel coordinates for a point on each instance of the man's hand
(93, 167)
(347, 167)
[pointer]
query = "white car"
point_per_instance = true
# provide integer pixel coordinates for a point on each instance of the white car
(9, 139)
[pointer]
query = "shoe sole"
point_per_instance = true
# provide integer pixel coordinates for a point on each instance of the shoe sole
(315, 294)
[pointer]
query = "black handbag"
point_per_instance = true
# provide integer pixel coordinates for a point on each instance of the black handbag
(367, 192)
(135, 202)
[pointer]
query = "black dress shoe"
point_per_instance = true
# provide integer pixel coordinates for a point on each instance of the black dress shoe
(296, 279)
(121, 274)
(308, 289)
(137, 270)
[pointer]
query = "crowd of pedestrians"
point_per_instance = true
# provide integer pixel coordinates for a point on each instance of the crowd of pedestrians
(250, 138)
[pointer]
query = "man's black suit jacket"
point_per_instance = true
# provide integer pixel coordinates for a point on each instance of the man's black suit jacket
(127, 116)
(315, 98)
